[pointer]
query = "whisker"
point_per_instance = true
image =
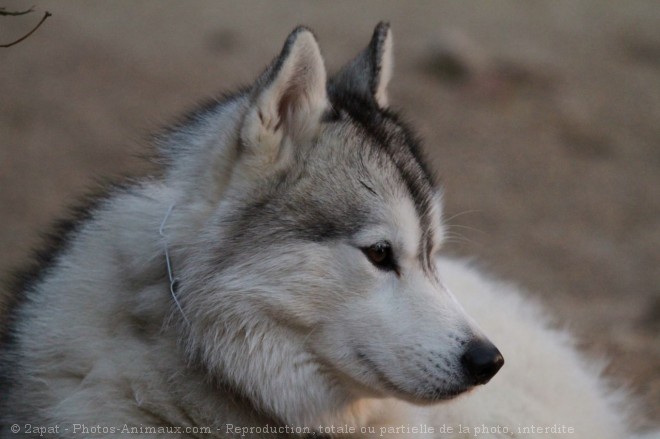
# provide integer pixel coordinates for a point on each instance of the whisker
(465, 212)
(465, 227)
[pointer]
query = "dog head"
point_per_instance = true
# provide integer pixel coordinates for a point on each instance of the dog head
(314, 272)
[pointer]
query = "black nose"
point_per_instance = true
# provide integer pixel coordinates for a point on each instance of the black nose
(481, 361)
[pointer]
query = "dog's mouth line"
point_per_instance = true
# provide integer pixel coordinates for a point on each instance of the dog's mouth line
(389, 384)
(394, 388)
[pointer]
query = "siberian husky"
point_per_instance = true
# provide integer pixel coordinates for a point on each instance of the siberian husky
(282, 278)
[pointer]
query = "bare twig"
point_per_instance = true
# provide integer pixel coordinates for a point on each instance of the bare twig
(15, 13)
(46, 15)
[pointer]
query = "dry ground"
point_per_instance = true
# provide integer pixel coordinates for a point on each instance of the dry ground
(543, 119)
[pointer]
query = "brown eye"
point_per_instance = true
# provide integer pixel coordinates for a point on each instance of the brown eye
(381, 256)
(377, 254)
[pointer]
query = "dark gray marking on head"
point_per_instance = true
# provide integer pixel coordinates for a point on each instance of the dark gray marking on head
(391, 137)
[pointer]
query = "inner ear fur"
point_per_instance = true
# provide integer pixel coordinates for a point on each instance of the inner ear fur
(288, 100)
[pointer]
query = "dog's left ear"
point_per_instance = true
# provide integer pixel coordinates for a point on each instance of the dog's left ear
(369, 73)
(288, 100)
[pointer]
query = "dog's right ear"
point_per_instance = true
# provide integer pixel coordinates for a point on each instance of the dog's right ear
(369, 73)
(288, 101)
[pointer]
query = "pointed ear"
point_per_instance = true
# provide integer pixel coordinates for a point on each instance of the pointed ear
(288, 100)
(369, 73)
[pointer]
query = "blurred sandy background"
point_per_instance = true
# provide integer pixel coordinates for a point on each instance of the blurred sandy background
(543, 119)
